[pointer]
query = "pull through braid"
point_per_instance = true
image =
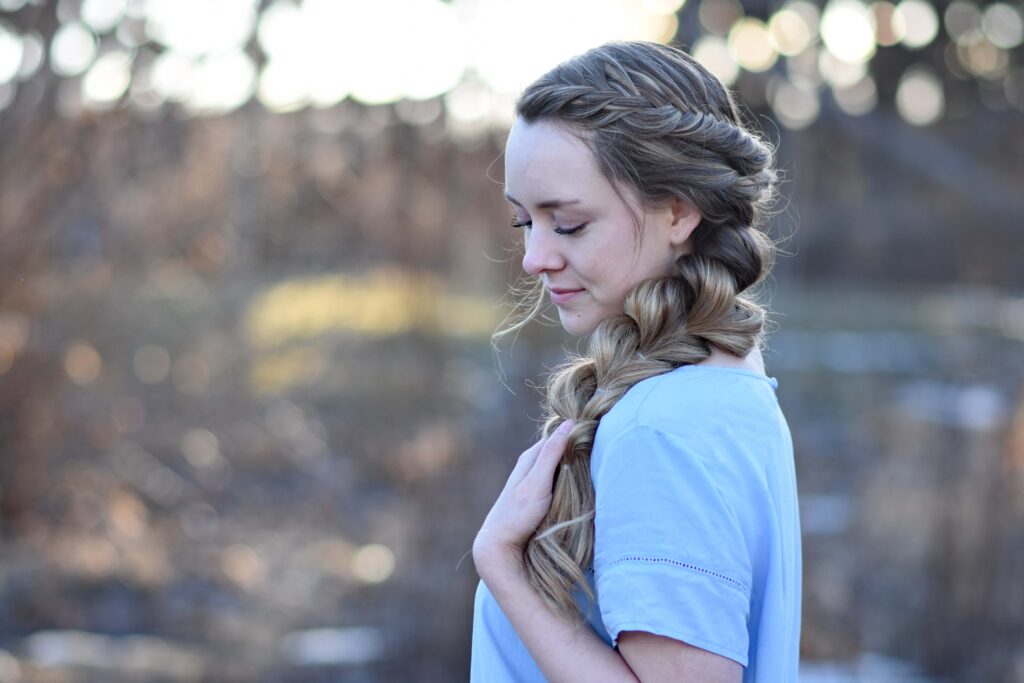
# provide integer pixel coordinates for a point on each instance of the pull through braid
(660, 126)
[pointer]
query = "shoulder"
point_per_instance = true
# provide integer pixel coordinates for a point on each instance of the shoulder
(689, 396)
(719, 417)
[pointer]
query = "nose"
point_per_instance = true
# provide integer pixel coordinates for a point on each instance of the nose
(542, 252)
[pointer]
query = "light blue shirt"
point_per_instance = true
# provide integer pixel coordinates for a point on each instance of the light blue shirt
(697, 529)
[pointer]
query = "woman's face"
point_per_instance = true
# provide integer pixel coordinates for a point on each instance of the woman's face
(580, 237)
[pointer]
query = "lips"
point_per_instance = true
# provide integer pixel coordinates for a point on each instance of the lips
(560, 295)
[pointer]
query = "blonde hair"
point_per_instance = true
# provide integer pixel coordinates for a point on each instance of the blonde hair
(660, 126)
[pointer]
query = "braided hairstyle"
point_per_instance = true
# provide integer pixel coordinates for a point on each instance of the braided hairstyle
(661, 126)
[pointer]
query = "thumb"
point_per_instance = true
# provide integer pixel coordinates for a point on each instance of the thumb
(553, 450)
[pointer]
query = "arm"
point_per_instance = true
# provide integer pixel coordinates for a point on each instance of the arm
(563, 652)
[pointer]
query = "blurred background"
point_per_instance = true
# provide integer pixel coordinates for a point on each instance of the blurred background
(251, 254)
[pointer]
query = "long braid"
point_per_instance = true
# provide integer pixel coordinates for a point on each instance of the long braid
(660, 124)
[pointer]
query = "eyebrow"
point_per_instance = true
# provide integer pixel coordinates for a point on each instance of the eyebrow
(547, 204)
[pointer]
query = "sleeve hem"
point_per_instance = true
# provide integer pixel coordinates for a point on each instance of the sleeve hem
(724, 579)
(716, 648)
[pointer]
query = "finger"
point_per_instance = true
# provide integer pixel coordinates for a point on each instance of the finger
(552, 451)
(525, 462)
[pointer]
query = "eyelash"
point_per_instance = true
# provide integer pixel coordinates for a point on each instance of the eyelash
(560, 231)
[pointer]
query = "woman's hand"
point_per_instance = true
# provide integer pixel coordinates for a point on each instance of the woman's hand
(524, 501)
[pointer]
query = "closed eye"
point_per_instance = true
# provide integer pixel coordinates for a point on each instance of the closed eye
(558, 229)
(570, 231)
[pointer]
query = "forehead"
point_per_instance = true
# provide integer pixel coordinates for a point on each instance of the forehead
(544, 159)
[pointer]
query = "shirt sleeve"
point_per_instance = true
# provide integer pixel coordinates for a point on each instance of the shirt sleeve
(669, 553)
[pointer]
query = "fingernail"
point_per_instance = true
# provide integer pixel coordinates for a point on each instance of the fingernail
(565, 427)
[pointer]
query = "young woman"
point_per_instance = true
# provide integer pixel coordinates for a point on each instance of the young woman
(652, 534)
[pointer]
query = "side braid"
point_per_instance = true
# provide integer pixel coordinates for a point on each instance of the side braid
(661, 125)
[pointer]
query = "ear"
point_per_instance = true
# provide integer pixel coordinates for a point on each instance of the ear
(685, 217)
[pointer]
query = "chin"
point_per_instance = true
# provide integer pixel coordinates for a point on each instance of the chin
(578, 326)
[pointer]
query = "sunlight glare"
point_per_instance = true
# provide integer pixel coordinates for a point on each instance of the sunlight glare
(848, 30)
(198, 27)
(493, 45)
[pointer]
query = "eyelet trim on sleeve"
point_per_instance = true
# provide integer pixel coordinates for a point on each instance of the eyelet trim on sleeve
(685, 565)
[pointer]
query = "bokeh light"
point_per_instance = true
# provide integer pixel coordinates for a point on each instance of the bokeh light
(11, 51)
(503, 22)
(713, 52)
(279, 91)
(980, 57)
(750, 44)
(889, 24)
(225, 24)
(244, 566)
(171, 76)
(839, 72)
(1003, 25)
(82, 363)
(259, 256)
(73, 49)
(107, 79)
(810, 14)
(920, 23)
(663, 7)
(14, 333)
(962, 19)
(7, 92)
(796, 107)
(295, 54)
(857, 98)
(222, 82)
(789, 32)
(102, 15)
(33, 51)
(718, 16)
(919, 96)
(803, 69)
(848, 30)
(373, 563)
